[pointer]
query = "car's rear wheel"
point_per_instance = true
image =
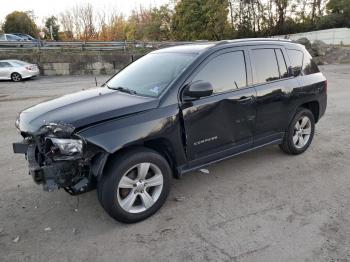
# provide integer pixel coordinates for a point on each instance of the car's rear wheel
(135, 185)
(300, 132)
(16, 77)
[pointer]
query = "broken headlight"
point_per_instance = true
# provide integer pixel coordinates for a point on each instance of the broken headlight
(68, 146)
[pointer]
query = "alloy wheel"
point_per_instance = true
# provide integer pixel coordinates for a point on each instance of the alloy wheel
(16, 77)
(302, 132)
(140, 187)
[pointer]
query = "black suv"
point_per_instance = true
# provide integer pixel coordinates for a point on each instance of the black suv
(173, 111)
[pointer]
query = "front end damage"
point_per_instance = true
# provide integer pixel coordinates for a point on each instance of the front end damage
(60, 158)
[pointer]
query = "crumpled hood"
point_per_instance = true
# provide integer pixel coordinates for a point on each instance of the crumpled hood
(84, 108)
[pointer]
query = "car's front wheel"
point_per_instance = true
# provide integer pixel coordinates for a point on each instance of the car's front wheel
(135, 185)
(16, 77)
(300, 132)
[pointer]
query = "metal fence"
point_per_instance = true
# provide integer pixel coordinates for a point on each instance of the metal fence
(85, 45)
(336, 36)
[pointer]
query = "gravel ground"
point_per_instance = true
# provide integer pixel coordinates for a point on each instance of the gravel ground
(259, 206)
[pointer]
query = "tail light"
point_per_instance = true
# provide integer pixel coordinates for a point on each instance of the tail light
(29, 68)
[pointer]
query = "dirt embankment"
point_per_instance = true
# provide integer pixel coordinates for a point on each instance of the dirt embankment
(326, 54)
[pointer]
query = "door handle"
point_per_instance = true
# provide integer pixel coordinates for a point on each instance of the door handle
(245, 98)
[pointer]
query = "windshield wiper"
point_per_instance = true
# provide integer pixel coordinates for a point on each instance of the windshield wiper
(123, 89)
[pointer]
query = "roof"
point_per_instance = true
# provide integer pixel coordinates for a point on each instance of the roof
(186, 48)
(202, 46)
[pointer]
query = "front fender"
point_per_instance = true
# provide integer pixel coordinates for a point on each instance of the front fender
(137, 129)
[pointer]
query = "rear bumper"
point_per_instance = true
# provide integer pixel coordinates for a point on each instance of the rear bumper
(30, 74)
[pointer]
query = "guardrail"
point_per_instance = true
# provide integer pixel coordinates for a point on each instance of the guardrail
(85, 45)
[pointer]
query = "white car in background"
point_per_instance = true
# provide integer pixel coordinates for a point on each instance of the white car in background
(17, 70)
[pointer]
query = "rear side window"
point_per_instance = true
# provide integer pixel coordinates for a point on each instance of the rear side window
(281, 63)
(296, 60)
(265, 65)
(310, 66)
(5, 64)
(2, 37)
(225, 72)
(13, 38)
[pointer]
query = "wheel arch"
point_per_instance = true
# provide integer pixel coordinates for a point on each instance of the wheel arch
(15, 72)
(314, 107)
(162, 146)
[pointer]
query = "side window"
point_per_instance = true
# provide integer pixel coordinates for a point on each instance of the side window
(265, 65)
(2, 38)
(281, 63)
(13, 38)
(1, 64)
(225, 72)
(296, 60)
(310, 66)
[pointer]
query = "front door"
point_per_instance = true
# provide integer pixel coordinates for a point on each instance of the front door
(4, 70)
(223, 122)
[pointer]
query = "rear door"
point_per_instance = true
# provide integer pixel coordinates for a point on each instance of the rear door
(274, 87)
(224, 121)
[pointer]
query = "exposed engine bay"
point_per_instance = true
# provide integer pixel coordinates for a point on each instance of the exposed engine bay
(60, 158)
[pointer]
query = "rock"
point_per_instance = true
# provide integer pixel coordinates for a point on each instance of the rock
(48, 229)
(319, 48)
(304, 41)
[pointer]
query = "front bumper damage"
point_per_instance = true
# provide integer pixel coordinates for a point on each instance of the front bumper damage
(76, 173)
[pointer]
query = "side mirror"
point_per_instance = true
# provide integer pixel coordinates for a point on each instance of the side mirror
(197, 90)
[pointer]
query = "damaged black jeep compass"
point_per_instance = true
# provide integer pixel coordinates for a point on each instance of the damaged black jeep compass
(171, 112)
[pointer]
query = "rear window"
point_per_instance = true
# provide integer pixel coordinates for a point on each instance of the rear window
(310, 66)
(296, 60)
(19, 63)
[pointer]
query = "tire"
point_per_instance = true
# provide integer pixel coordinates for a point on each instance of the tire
(16, 77)
(300, 132)
(135, 185)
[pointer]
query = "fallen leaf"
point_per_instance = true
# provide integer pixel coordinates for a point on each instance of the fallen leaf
(180, 199)
(48, 229)
(204, 171)
(16, 239)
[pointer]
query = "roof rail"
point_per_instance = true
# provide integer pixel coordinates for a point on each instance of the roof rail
(252, 39)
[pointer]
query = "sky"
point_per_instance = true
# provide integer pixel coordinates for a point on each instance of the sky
(46, 8)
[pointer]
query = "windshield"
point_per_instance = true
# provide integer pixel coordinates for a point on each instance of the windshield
(151, 74)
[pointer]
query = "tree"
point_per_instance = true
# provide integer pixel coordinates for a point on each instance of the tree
(200, 19)
(51, 28)
(67, 22)
(159, 24)
(20, 22)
